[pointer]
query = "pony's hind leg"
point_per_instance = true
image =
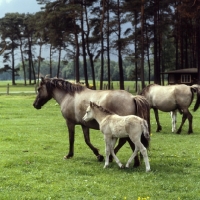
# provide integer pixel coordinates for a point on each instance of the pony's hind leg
(159, 127)
(186, 115)
(173, 116)
(140, 146)
(121, 142)
(132, 157)
(143, 151)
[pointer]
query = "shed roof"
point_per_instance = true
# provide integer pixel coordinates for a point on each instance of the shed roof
(182, 71)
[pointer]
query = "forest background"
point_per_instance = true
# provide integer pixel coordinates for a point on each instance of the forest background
(104, 40)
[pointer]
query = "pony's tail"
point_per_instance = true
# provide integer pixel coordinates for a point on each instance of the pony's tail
(196, 89)
(143, 111)
(145, 129)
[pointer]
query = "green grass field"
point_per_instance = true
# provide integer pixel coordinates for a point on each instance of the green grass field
(33, 143)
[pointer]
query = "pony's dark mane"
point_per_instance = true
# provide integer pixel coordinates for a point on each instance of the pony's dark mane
(101, 108)
(146, 89)
(70, 88)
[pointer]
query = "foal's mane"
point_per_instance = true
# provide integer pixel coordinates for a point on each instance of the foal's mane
(92, 104)
(62, 84)
(146, 89)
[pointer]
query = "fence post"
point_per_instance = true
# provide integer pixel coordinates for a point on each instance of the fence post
(8, 88)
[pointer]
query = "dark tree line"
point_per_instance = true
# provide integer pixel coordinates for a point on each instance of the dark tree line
(153, 35)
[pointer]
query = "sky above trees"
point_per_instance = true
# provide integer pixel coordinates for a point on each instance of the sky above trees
(20, 6)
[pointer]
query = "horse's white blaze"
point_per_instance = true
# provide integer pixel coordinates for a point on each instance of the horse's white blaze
(114, 126)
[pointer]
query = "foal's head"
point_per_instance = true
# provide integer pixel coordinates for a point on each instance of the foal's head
(89, 115)
(90, 111)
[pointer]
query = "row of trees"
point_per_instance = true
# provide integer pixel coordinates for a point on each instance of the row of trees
(167, 32)
(68, 71)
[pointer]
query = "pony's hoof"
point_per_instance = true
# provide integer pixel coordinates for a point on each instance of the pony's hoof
(122, 167)
(148, 170)
(67, 157)
(100, 158)
(178, 132)
(127, 166)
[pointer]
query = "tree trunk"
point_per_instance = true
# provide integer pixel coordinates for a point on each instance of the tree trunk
(142, 44)
(59, 57)
(83, 47)
(108, 45)
(121, 73)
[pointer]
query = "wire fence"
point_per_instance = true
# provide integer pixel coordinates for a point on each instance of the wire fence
(9, 89)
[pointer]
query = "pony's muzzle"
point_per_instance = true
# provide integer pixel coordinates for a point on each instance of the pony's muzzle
(36, 106)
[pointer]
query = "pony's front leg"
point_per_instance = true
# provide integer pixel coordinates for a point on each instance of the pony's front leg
(87, 141)
(113, 142)
(71, 128)
(159, 127)
(108, 146)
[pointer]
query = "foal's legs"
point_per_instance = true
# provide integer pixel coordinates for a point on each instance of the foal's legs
(108, 146)
(121, 142)
(139, 146)
(113, 142)
(159, 127)
(173, 116)
(110, 143)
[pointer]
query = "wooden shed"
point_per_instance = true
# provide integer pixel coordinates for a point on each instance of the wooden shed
(188, 76)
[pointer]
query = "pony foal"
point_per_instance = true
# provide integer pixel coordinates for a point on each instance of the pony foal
(114, 126)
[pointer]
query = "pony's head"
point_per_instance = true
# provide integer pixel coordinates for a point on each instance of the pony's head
(43, 94)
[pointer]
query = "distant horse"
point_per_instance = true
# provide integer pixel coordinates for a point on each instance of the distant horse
(74, 99)
(171, 98)
(114, 126)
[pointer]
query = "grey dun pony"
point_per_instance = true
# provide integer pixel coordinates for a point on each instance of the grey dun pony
(171, 98)
(74, 100)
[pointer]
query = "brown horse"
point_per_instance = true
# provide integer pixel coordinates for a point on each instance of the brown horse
(171, 98)
(74, 100)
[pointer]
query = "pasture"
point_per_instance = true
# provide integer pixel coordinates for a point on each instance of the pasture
(33, 143)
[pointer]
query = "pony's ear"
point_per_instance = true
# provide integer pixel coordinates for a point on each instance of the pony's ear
(91, 103)
(42, 79)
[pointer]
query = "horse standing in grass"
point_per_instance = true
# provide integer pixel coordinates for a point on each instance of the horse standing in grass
(114, 126)
(171, 98)
(74, 100)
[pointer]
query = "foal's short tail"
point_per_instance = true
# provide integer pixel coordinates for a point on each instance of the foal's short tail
(145, 129)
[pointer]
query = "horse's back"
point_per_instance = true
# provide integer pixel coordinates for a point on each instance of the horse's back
(166, 98)
(121, 126)
(117, 101)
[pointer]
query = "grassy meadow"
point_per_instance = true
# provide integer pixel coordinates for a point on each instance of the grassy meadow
(33, 143)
